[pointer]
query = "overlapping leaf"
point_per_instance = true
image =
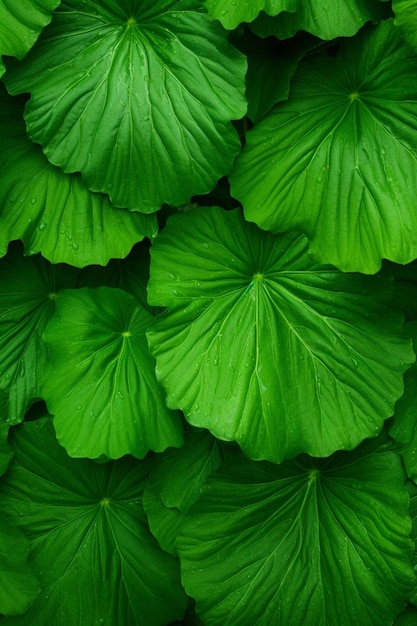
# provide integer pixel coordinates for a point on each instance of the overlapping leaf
(21, 23)
(175, 483)
(52, 212)
(90, 544)
(28, 291)
(341, 17)
(263, 346)
(327, 21)
(138, 97)
(406, 19)
(100, 384)
(339, 159)
(307, 542)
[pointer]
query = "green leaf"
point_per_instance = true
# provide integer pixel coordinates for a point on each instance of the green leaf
(21, 23)
(231, 13)
(406, 19)
(136, 96)
(307, 542)
(338, 160)
(90, 543)
(175, 483)
(403, 428)
(342, 19)
(100, 384)
(6, 453)
(28, 290)
(18, 586)
(271, 66)
(263, 346)
(52, 212)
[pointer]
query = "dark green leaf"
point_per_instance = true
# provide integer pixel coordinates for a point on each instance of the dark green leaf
(308, 542)
(90, 543)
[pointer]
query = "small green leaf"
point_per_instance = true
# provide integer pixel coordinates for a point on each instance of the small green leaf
(263, 346)
(52, 212)
(138, 97)
(100, 383)
(90, 543)
(21, 23)
(306, 542)
(406, 19)
(28, 291)
(338, 159)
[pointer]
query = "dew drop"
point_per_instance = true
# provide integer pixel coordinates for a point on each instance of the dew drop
(42, 226)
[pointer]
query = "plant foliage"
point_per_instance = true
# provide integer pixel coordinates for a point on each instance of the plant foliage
(208, 253)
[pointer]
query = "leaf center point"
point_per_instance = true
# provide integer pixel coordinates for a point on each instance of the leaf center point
(105, 502)
(126, 333)
(131, 21)
(258, 277)
(354, 96)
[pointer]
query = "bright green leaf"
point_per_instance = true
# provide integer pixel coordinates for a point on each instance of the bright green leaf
(100, 384)
(18, 585)
(338, 160)
(406, 19)
(28, 290)
(307, 542)
(136, 96)
(21, 22)
(52, 212)
(263, 346)
(342, 18)
(90, 544)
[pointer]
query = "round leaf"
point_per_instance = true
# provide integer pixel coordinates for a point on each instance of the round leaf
(52, 212)
(90, 543)
(338, 160)
(100, 384)
(136, 96)
(263, 346)
(307, 542)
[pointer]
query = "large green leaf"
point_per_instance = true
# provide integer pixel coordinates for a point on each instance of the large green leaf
(90, 544)
(406, 19)
(28, 292)
(52, 212)
(100, 384)
(136, 96)
(307, 542)
(342, 17)
(338, 160)
(21, 23)
(18, 585)
(263, 346)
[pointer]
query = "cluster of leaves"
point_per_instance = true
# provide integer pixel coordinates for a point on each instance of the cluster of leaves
(208, 242)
